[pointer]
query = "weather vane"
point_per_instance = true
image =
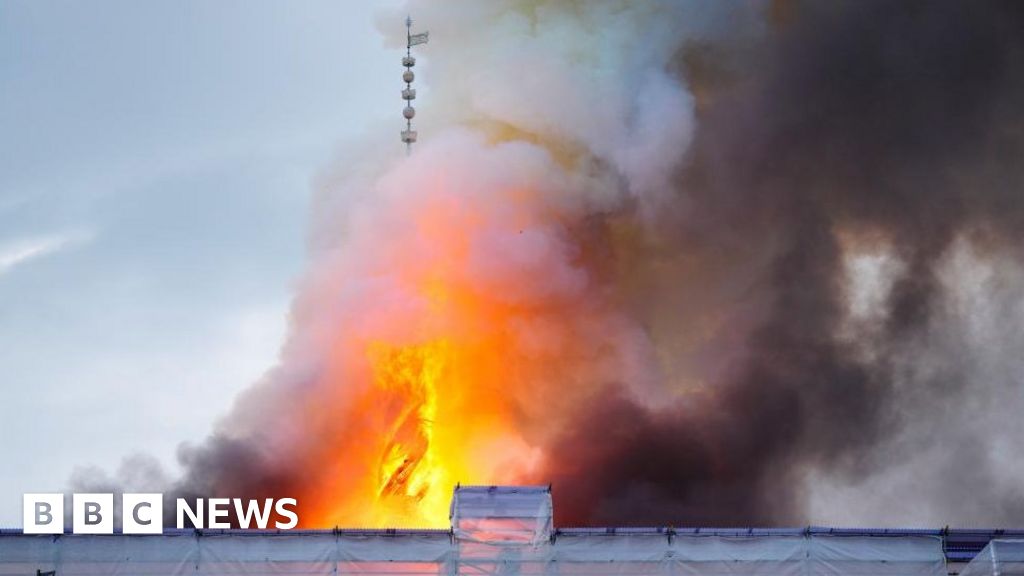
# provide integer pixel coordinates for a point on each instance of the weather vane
(409, 93)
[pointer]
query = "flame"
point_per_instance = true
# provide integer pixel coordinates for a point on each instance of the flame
(423, 403)
(411, 474)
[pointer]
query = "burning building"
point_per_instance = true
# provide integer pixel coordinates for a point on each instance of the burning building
(713, 263)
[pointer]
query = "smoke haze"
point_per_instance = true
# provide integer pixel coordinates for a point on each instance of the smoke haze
(692, 263)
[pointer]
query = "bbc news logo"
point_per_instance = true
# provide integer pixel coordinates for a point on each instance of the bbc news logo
(143, 513)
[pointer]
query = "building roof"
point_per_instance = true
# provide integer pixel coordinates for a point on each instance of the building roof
(509, 530)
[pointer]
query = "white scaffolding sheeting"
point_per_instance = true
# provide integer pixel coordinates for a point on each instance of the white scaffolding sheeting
(999, 558)
(438, 553)
(511, 515)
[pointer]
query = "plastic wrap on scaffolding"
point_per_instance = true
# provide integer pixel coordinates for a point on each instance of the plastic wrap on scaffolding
(620, 552)
(496, 531)
(999, 558)
(502, 514)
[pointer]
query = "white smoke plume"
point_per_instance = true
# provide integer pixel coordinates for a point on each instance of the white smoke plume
(694, 263)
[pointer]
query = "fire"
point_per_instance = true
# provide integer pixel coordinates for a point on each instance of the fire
(411, 474)
(423, 399)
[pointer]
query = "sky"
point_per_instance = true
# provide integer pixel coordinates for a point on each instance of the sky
(675, 206)
(156, 165)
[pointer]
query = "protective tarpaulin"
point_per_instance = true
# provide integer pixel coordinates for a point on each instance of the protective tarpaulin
(502, 514)
(999, 558)
(496, 531)
(440, 553)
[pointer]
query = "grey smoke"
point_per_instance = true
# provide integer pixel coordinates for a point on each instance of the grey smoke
(813, 265)
(899, 125)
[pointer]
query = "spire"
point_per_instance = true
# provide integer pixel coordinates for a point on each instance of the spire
(409, 93)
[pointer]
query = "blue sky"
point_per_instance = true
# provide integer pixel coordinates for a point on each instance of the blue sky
(156, 165)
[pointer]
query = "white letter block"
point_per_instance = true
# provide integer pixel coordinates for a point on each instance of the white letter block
(142, 513)
(92, 513)
(42, 514)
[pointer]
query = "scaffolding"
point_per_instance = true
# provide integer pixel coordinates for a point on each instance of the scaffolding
(496, 531)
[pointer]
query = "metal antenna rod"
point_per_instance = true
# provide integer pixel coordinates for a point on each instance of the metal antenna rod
(409, 94)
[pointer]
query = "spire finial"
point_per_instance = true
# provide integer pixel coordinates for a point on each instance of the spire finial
(409, 94)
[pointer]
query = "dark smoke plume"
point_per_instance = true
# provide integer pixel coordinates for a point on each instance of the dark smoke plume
(898, 124)
(752, 265)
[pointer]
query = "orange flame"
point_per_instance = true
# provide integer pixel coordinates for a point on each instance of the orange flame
(410, 474)
(427, 406)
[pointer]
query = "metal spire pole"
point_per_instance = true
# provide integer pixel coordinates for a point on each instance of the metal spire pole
(408, 83)
(409, 94)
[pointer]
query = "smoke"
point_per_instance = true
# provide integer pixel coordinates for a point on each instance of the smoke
(691, 263)
(849, 140)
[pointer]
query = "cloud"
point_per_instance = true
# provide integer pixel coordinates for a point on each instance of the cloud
(18, 252)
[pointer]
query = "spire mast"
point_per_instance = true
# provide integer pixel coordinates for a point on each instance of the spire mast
(409, 93)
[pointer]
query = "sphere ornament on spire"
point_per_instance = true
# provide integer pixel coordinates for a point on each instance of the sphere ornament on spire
(409, 93)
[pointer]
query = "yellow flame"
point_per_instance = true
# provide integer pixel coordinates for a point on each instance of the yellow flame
(431, 405)
(411, 477)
